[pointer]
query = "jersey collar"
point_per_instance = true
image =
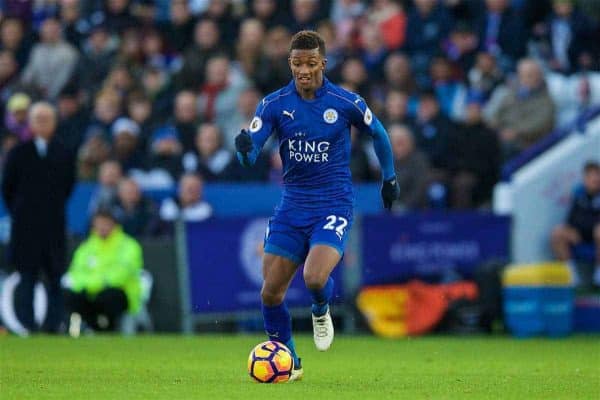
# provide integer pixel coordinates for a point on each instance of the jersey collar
(320, 91)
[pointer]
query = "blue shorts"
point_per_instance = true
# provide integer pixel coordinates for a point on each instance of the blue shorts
(291, 234)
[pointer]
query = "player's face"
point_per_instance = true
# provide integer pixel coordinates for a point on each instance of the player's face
(307, 68)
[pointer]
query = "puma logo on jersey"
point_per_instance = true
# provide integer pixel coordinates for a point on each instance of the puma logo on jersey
(289, 114)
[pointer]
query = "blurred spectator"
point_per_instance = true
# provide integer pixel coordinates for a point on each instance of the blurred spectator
(526, 113)
(461, 46)
(266, 11)
(98, 55)
(582, 224)
(110, 174)
(37, 180)
(186, 118)
(126, 148)
(433, 131)
(428, 24)
(156, 86)
(219, 94)
(52, 61)
(9, 76)
(92, 153)
(209, 158)
(7, 142)
(135, 213)
(389, 19)
(273, 70)
(475, 161)
(15, 119)
(240, 118)
(103, 280)
(120, 80)
(354, 76)
(373, 52)
(165, 151)
(189, 204)
(412, 169)
(249, 46)
(396, 108)
(130, 50)
(398, 73)
(181, 25)
(14, 39)
(206, 45)
(485, 76)
(107, 107)
(501, 31)
(139, 109)
(304, 15)
(118, 17)
(72, 118)
(221, 11)
(156, 54)
(451, 93)
(565, 38)
(75, 27)
(345, 14)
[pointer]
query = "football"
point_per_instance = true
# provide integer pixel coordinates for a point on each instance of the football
(270, 362)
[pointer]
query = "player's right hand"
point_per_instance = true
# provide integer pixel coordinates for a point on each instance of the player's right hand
(243, 142)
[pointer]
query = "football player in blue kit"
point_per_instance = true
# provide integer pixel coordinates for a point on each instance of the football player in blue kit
(311, 118)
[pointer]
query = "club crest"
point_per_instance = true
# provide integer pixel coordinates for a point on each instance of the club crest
(368, 116)
(330, 116)
(256, 124)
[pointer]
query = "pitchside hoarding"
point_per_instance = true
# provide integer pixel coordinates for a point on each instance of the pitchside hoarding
(430, 246)
(225, 267)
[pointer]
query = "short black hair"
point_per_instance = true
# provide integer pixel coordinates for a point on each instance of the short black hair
(308, 40)
(591, 166)
(105, 212)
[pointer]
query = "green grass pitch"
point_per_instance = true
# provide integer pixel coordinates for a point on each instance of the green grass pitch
(356, 367)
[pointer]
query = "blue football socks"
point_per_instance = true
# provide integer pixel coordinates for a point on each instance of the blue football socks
(278, 325)
(321, 298)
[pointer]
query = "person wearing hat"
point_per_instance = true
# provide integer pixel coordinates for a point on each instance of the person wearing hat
(125, 136)
(37, 180)
(15, 118)
(104, 279)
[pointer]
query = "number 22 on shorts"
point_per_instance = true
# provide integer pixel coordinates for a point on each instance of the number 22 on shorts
(337, 224)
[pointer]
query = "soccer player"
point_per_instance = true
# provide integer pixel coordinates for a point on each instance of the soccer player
(311, 118)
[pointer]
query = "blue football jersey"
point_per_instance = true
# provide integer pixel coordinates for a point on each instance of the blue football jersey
(314, 142)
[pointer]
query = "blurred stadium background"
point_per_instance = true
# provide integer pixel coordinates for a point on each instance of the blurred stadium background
(493, 109)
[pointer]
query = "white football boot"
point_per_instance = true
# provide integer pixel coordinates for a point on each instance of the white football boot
(297, 372)
(323, 331)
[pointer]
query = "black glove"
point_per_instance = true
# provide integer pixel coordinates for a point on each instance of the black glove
(243, 142)
(389, 192)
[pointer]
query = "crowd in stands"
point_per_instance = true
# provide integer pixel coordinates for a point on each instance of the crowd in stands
(150, 94)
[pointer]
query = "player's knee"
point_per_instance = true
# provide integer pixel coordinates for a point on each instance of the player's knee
(271, 297)
(314, 280)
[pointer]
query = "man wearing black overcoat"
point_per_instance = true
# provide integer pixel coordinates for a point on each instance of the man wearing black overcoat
(38, 178)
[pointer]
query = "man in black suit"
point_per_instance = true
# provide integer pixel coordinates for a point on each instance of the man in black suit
(38, 178)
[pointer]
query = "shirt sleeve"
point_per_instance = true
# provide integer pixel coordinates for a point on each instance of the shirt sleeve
(261, 127)
(362, 118)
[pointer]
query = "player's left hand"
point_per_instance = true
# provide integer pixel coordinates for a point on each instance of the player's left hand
(389, 192)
